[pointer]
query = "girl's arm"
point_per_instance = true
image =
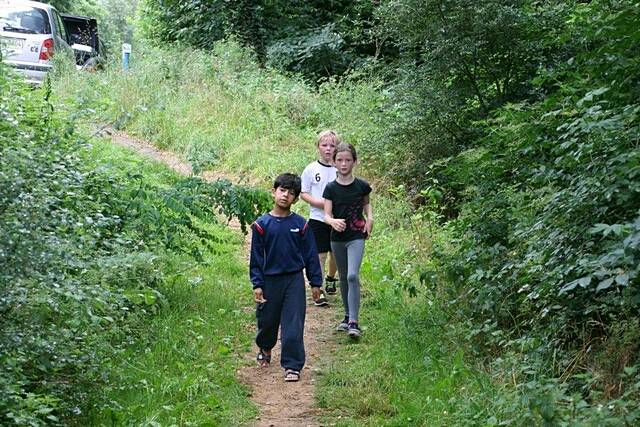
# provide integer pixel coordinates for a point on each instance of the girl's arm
(337, 224)
(368, 211)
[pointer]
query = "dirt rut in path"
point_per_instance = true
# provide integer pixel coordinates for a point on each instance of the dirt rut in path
(281, 404)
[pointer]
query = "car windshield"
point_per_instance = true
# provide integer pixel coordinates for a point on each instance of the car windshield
(24, 19)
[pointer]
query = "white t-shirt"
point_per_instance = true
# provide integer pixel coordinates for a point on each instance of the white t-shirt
(315, 177)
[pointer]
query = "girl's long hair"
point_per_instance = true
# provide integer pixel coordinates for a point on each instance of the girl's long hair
(345, 146)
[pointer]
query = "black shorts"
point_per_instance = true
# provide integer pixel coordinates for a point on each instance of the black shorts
(322, 233)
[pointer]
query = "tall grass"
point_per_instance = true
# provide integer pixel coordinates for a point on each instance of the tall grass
(220, 111)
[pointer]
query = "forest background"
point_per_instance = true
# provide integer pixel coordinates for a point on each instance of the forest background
(502, 137)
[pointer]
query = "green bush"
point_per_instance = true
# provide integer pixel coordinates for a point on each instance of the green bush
(316, 39)
(545, 259)
(457, 62)
(82, 254)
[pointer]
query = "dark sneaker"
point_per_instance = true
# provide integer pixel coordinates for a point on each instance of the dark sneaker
(353, 330)
(322, 301)
(344, 325)
(330, 285)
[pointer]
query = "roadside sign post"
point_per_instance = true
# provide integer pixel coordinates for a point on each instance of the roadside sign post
(126, 52)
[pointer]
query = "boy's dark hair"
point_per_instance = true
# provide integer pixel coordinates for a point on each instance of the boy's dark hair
(288, 181)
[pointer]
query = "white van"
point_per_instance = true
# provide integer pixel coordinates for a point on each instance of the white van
(30, 34)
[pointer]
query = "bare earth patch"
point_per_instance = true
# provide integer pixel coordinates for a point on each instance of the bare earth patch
(281, 404)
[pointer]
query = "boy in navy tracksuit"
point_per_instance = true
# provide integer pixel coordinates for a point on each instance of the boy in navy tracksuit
(282, 246)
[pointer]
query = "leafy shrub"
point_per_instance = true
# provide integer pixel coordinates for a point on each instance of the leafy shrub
(314, 38)
(314, 54)
(457, 62)
(81, 255)
(546, 254)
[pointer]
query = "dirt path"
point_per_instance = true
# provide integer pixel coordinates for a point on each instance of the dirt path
(281, 404)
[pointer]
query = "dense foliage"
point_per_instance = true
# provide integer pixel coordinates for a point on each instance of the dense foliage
(458, 61)
(315, 38)
(547, 241)
(535, 215)
(82, 255)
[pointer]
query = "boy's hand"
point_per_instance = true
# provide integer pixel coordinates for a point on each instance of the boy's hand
(315, 293)
(338, 224)
(258, 296)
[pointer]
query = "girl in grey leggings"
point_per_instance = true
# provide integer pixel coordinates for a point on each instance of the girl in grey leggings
(345, 207)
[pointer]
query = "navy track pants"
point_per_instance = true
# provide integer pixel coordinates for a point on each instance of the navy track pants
(285, 308)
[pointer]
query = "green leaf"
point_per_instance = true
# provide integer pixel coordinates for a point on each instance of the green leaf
(605, 284)
(584, 281)
(149, 298)
(592, 94)
(622, 279)
(598, 228)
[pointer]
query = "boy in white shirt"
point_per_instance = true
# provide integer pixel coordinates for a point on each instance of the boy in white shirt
(315, 178)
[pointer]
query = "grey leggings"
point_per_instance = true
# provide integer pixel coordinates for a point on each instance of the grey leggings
(348, 257)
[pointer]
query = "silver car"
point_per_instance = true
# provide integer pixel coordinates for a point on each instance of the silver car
(30, 34)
